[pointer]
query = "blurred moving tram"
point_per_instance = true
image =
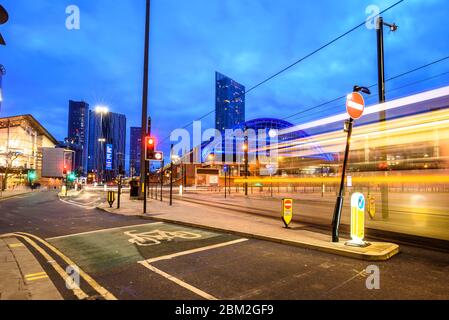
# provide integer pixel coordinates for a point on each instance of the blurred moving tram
(409, 152)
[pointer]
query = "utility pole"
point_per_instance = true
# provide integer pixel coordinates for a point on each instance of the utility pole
(381, 86)
(143, 162)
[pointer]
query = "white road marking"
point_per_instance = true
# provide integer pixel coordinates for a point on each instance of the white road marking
(78, 205)
(178, 281)
(104, 230)
(201, 293)
(183, 253)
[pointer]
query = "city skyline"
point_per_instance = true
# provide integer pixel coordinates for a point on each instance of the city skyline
(272, 29)
(265, 153)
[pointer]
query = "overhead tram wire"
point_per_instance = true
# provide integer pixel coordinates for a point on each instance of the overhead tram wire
(398, 88)
(371, 86)
(298, 61)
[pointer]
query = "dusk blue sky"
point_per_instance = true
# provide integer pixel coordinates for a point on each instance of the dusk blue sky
(247, 40)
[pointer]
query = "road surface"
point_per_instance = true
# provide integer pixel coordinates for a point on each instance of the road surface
(132, 258)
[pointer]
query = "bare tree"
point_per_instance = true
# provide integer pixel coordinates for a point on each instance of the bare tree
(8, 159)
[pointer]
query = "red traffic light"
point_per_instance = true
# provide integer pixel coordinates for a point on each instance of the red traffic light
(150, 141)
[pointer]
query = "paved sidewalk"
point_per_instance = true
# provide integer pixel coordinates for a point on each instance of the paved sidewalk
(412, 216)
(21, 276)
(9, 194)
(249, 225)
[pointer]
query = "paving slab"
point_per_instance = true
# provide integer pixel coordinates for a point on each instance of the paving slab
(27, 279)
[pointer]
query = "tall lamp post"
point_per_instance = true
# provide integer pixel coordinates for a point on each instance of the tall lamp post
(143, 162)
(381, 81)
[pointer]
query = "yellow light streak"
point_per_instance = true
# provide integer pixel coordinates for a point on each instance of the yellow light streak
(410, 179)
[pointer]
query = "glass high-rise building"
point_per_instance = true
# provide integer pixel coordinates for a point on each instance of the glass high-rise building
(135, 147)
(107, 142)
(77, 132)
(229, 103)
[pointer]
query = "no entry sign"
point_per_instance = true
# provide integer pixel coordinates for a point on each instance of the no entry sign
(355, 105)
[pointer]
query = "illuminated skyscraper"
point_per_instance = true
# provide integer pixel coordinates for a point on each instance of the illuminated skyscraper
(77, 132)
(107, 140)
(229, 103)
(135, 148)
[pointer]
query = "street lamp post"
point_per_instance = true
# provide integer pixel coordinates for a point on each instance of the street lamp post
(143, 166)
(381, 87)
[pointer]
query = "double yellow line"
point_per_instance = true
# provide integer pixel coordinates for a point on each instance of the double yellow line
(33, 241)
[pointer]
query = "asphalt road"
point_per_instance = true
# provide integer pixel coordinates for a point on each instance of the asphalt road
(133, 258)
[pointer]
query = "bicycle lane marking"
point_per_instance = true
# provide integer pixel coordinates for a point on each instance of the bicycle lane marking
(102, 230)
(104, 253)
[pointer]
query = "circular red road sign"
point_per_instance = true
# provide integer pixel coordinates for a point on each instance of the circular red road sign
(355, 105)
(288, 204)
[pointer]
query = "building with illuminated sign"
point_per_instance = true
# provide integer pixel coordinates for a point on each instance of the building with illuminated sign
(106, 129)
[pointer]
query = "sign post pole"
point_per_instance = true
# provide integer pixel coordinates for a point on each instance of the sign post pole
(339, 205)
(355, 105)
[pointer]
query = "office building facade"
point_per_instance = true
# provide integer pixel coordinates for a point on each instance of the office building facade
(107, 142)
(229, 103)
(77, 133)
(135, 147)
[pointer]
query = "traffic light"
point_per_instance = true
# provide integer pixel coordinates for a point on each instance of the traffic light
(150, 153)
(3, 19)
(64, 171)
(32, 175)
(71, 177)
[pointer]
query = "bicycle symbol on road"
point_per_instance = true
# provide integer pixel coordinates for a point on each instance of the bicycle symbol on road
(156, 237)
